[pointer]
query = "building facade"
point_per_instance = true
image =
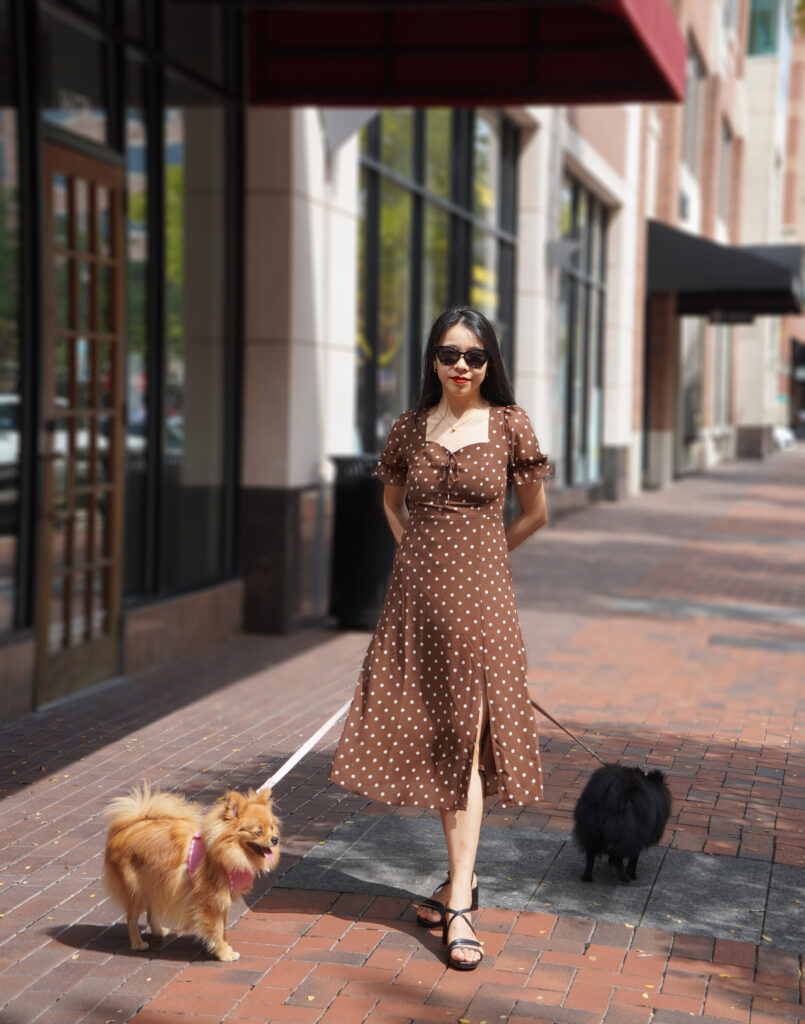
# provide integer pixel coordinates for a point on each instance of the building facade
(224, 234)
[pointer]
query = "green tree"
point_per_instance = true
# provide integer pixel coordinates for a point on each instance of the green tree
(174, 255)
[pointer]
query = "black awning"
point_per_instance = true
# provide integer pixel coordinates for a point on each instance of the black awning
(724, 282)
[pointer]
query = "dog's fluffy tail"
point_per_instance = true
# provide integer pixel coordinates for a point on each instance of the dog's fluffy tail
(144, 804)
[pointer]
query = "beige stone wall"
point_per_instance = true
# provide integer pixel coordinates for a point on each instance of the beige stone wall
(301, 287)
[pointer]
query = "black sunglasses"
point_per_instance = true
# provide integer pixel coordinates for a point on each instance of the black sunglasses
(449, 355)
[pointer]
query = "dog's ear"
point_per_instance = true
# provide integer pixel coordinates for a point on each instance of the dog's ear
(259, 795)
(656, 777)
(234, 804)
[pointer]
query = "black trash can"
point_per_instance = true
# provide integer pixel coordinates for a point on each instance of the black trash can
(363, 545)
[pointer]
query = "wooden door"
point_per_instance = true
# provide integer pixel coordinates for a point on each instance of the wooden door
(79, 556)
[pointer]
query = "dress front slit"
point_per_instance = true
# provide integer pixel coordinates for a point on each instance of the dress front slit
(448, 641)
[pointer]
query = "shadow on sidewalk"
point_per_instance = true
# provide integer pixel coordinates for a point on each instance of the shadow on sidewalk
(42, 743)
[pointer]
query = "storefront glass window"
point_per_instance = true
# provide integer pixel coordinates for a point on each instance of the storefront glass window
(133, 18)
(694, 109)
(580, 327)
(595, 411)
(689, 401)
(10, 401)
(427, 245)
(363, 347)
(397, 141)
(562, 363)
(394, 309)
(578, 375)
(764, 19)
(137, 392)
(484, 274)
(725, 171)
(486, 166)
(721, 376)
(194, 37)
(193, 429)
(438, 152)
(435, 267)
(90, 6)
(72, 76)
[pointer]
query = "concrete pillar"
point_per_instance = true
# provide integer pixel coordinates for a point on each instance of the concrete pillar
(538, 222)
(299, 377)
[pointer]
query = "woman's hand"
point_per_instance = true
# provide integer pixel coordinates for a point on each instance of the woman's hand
(533, 513)
(395, 508)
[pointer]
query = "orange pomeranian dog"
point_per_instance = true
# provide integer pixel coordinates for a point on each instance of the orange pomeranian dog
(184, 870)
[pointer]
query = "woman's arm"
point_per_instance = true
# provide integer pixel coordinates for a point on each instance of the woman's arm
(533, 513)
(395, 508)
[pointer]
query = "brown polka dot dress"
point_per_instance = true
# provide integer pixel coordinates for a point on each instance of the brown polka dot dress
(448, 636)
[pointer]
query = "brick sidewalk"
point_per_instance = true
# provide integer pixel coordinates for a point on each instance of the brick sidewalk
(667, 628)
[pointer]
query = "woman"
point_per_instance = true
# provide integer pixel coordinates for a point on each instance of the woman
(441, 717)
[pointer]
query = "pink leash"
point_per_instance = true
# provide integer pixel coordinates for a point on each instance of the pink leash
(294, 759)
(242, 879)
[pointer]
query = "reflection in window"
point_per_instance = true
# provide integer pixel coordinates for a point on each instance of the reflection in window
(10, 419)
(435, 267)
(724, 171)
(194, 37)
(133, 17)
(691, 373)
(694, 109)
(363, 346)
(764, 20)
(438, 152)
(397, 141)
(563, 322)
(484, 274)
(137, 396)
(73, 94)
(424, 246)
(486, 166)
(193, 428)
(394, 307)
(721, 376)
(580, 331)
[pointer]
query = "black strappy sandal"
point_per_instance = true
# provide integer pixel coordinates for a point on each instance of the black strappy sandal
(429, 903)
(460, 965)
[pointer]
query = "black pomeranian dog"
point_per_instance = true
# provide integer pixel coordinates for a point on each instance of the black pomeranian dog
(620, 812)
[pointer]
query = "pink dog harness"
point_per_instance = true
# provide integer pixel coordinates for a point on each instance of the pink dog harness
(237, 879)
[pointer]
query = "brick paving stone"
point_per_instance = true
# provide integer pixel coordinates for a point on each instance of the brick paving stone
(597, 594)
(586, 996)
(628, 1015)
(344, 1010)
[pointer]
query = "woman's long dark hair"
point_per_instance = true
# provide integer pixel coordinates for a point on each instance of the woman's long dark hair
(496, 387)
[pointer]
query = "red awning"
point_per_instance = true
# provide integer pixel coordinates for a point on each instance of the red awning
(464, 52)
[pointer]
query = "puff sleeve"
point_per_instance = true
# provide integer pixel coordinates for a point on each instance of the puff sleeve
(392, 467)
(527, 464)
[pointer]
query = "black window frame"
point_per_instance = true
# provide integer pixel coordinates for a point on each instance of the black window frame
(462, 222)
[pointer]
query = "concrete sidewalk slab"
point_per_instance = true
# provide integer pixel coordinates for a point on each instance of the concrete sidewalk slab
(687, 892)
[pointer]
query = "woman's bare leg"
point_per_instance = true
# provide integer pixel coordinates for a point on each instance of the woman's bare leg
(462, 830)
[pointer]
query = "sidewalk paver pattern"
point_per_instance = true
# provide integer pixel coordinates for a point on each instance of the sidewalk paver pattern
(666, 630)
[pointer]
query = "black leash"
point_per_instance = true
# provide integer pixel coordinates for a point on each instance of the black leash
(559, 725)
